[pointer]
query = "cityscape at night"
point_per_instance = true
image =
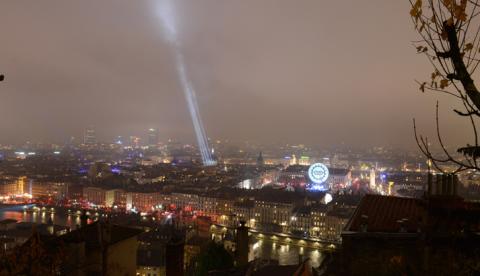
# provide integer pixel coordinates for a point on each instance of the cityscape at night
(175, 137)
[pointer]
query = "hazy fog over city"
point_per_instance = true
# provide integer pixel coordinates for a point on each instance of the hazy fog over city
(267, 71)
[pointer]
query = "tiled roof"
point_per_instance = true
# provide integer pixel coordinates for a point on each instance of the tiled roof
(90, 234)
(8, 221)
(387, 214)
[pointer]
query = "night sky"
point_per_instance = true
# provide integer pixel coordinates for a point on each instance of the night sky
(305, 71)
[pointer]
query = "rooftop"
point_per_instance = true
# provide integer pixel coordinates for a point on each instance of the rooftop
(384, 214)
(90, 234)
(7, 221)
(389, 214)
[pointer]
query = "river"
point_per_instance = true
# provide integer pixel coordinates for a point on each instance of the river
(285, 254)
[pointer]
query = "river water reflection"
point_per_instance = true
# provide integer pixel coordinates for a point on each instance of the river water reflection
(285, 254)
(18, 213)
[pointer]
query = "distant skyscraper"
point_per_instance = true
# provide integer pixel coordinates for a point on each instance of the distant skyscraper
(152, 137)
(260, 161)
(89, 137)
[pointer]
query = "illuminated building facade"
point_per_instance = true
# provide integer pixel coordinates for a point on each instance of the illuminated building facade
(188, 202)
(94, 195)
(207, 205)
(276, 213)
(57, 190)
(279, 213)
(11, 187)
(301, 220)
(115, 197)
(224, 206)
(142, 201)
(339, 178)
(245, 211)
(318, 225)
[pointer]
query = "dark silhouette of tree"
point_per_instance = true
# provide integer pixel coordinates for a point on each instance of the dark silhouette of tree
(450, 32)
(214, 257)
(34, 257)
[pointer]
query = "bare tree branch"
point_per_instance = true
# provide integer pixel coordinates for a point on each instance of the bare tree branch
(449, 30)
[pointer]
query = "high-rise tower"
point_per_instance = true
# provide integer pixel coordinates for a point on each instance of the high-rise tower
(152, 137)
(89, 137)
(260, 160)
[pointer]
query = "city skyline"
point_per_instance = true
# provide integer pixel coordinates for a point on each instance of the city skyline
(272, 137)
(143, 139)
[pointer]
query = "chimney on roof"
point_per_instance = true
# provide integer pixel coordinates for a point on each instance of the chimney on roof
(402, 223)
(438, 185)
(450, 184)
(241, 239)
(429, 184)
(174, 256)
(455, 185)
(364, 224)
(444, 184)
